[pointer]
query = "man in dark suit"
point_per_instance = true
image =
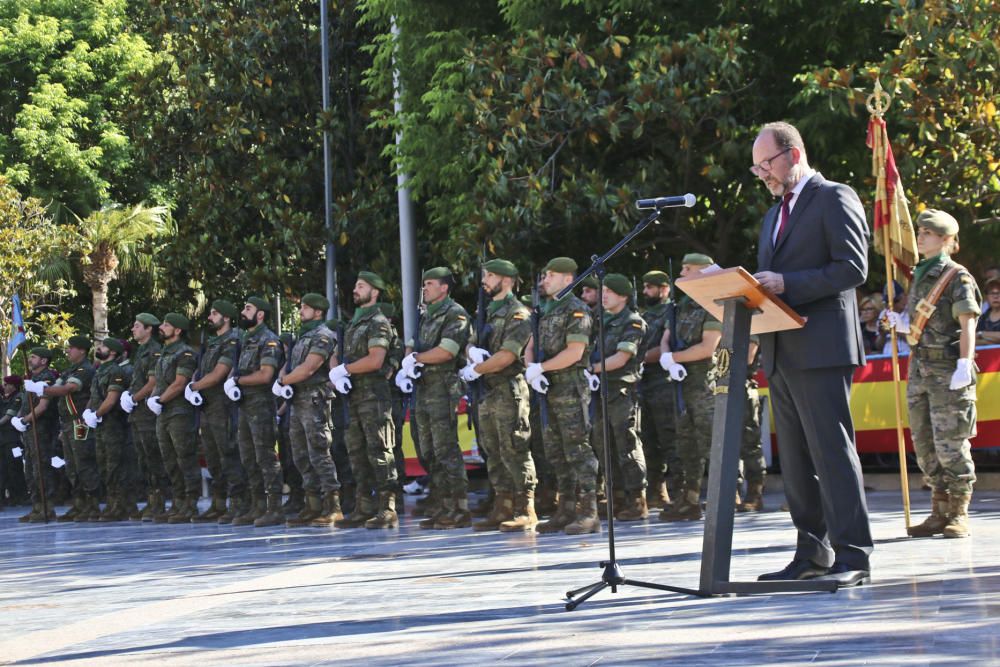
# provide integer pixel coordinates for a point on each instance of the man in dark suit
(812, 254)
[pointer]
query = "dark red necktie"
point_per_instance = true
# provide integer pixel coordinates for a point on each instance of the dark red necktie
(785, 212)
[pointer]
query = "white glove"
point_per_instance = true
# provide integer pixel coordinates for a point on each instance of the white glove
(232, 390)
(36, 388)
(962, 377)
(128, 405)
(17, 452)
(19, 424)
(282, 390)
(666, 360)
(90, 418)
(412, 366)
(594, 381)
(897, 321)
(533, 371)
(154, 405)
(477, 355)
(540, 384)
(404, 383)
(677, 372)
(58, 462)
(469, 373)
(339, 378)
(192, 396)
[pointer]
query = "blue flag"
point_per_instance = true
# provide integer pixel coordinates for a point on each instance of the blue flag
(18, 334)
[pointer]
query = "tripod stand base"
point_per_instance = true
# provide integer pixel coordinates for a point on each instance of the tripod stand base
(613, 577)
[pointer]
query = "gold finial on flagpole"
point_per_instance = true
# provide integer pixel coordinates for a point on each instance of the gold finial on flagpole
(878, 101)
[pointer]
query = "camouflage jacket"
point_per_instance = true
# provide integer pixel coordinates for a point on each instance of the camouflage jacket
(110, 376)
(143, 362)
(314, 338)
(446, 325)
(50, 417)
(692, 323)
(261, 347)
(219, 349)
(962, 295)
(508, 327)
(656, 323)
(565, 321)
(625, 332)
(368, 328)
(72, 405)
(175, 359)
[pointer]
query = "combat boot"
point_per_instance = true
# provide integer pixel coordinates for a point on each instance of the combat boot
(238, 505)
(386, 517)
(503, 510)
(364, 509)
(459, 517)
(657, 496)
(296, 502)
(330, 512)
(958, 515)
(934, 524)
(524, 518)
(273, 516)
(214, 511)
(602, 503)
(36, 511)
(88, 507)
(74, 509)
(446, 505)
(635, 508)
(688, 508)
(429, 505)
(115, 511)
(545, 500)
(586, 516)
(254, 511)
(312, 507)
(754, 501)
(152, 505)
(132, 511)
(187, 509)
(485, 506)
(562, 518)
(40, 517)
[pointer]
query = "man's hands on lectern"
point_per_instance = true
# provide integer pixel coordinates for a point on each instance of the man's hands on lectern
(771, 281)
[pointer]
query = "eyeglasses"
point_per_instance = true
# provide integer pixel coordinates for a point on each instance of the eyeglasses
(764, 166)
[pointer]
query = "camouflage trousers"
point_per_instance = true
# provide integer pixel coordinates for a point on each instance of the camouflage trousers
(179, 448)
(658, 430)
(753, 466)
(694, 428)
(396, 397)
(626, 450)
(543, 469)
(309, 433)
(47, 436)
(505, 435)
(567, 444)
(437, 395)
(257, 440)
(147, 446)
(941, 423)
(371, 435)
(81, 459)
(222, 455)
(111, 442)
(289, 472)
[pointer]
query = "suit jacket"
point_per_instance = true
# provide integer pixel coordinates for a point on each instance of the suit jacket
(823, 256)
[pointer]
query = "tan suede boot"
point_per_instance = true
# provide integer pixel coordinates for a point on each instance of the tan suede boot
(754, 501)
(330, 512)
(958, 515)
(386, 517)
(364, 509)
(273, 516)
(311, 509)
(586, 516)
(459, 517)
(936, 521)
(214, 511)
(524, 518)
(254, 511)
(503, 510)
(634, 508)
(688, 508)
(562, 518)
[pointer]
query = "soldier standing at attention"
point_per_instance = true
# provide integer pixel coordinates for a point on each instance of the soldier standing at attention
(361, 378)
(692, 362)
(565, 335)
(944, 306)
(110, 424)
(217, 433)
(305, 384)
(133, 401)
(624, 332)
(433, 358)
(296, 500)
(11, 468)
(505, 430)
(174, 368)
(261, 356)
(45, 420)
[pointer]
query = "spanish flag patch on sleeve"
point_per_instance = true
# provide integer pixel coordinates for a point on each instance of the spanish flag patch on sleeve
(518, 316)
(578, 313)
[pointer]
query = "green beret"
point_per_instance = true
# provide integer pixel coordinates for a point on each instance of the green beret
(938, 222)
(177, 320)
(698, 259)
(286, 338)
(79, 342)
(501, 267)
(226, 308)
(590, 281)
(618, 284)
(561, 265)
(316, 301)
(148, 319)
(43, 352)
(113, 344)
(259, 303)
(388, 309)
(656, 278)
(437, 273)
(373, 279)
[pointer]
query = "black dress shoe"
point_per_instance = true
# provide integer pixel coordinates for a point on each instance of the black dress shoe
(800, 568)
(847, 575)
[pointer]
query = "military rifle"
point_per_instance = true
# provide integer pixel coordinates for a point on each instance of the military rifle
(675, 343)
(536, 346)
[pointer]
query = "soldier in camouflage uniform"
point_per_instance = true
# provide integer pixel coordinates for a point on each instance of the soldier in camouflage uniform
(941, 391)
(143, 422)
(691, 360)
(218, 437)
(44, 419)
(394, 357)
(11, 467)
(309, 430)
(624, 333)
(296, 501)
(173, 371)
(753, 465)
(72, 392)
(657, 395)
(110, 424)
(565, 336)
(433, 359)
(361, 378)
(504, 428)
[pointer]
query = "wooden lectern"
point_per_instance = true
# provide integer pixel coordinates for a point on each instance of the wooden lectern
(737, 300)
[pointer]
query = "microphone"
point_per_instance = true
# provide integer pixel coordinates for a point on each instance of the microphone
(687, 200)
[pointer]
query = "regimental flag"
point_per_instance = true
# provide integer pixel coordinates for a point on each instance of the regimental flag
(17, 336)
(891, 211)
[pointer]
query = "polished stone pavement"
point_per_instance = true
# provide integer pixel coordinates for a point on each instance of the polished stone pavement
(198, 595)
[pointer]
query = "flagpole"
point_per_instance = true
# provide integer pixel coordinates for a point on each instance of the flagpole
(34, 437)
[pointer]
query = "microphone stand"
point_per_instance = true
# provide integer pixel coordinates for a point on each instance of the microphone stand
(612, 576)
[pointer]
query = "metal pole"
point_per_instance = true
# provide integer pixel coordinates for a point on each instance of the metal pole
(331, 253)
(407, 235)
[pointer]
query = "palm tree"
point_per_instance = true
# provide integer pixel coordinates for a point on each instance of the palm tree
(114, 239)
